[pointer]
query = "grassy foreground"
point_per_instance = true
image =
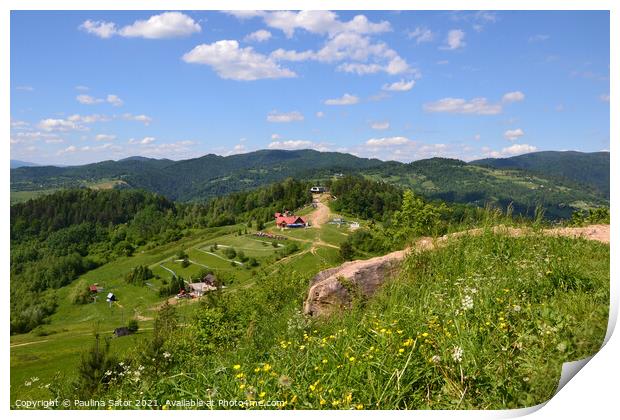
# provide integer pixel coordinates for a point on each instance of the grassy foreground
(483, 323)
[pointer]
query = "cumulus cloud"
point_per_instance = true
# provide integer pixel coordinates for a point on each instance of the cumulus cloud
(143, 141)
(346, 99)
(388, 141)
(165, 25)
(88, 100)
(454, 40)
(320, 114)
(515, 149)
(516, 96)
(284, 117)
(476, 106)
(513, 135)
(400, 86)
(261, 35)
(380, 125)
(146, 120)
(91, 100)
(290, 144)
(230, 61)
(105, 137)
(421, 34)
(88, 119)
(59, 124)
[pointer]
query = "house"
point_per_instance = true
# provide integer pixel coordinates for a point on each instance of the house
(290, 221)
(208, 284)
(317, 190)
(95, 288)
(111, 297)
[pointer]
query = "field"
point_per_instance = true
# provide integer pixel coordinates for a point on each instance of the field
(45, 352)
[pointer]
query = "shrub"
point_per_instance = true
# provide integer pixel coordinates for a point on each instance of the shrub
(132, 325)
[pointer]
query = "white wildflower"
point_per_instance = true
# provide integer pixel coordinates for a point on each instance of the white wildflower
(27, 383)
(435, 359)
(167, 355)
(457, 354)
(467, 302)
(108, 373)
(516, 308)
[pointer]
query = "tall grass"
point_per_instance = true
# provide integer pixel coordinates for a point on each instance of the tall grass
(485, 322)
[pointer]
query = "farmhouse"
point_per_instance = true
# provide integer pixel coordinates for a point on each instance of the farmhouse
(288, 220)
(207, 284)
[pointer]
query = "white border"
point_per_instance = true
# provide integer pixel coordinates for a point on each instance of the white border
(591, 393)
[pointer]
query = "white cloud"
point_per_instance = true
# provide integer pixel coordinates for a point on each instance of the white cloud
(346, 99)
(231, 62)
(388, 141)
(143, 141)
(516, 96)
(284, 117)
(421, 34)
(454, 40)
(380, 125)
(400, 86)
(25, 88)
(88, 100)
(290, 144)
(58, 124)
(515, 149)
(604, 97)
(321, 22)
(99, 28)
(88, 119)
(91, 100)
(360, 55)
(320, 114)
(275, 136)
(146, 120)
(237, 149)
(105, 137)
(70, 149)
(165, 25)
(82, 88)
(114, 100)
(477, 106)
(513, 135)
(261, 35)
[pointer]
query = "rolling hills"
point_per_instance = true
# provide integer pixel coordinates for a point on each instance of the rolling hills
(559, 181)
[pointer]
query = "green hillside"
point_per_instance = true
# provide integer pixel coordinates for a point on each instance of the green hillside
(588, 169)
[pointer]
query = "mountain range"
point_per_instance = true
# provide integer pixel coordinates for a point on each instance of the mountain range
(560, 181)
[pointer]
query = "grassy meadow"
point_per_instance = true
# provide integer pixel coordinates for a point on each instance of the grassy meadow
(482, 323)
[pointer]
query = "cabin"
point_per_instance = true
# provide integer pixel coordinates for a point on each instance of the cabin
(111, 297)
(95, 288)
(289, 221)
(317, 190)
(208, 284)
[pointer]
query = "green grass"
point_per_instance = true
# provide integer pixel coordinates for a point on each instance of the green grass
(483, 323)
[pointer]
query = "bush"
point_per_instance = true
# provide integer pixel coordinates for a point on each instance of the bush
(80, 293)
(139, 275)
(132, 325)
(230, 253)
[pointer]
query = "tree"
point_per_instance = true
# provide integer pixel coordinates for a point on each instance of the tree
(346, 251)
(93, 367)
(416, 217)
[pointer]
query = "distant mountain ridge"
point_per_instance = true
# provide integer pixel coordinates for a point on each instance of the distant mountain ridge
(20, 163)
(587, 168)
(480, 182)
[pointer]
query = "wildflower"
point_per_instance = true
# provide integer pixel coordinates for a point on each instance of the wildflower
(467, 302)
(401, 350)
(239, 375)
(425, 334)
(165, 407)
(359, 406)
(399, 332)
(457, 354)
(108, 373)
(561, 347)
(167, 355)
(27, 383)
(322, 402)
(302, 347)
(267, 367)
(294, 399)
(335, 403)
(435, 359)
(408, 342)
(241, 386)
(351, 359)
(237, 367)
(262, 394)
(516, 308)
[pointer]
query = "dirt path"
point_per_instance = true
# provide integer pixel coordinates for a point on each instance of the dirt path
(320, 216)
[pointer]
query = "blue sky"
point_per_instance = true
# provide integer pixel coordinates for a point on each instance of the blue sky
(96, 85)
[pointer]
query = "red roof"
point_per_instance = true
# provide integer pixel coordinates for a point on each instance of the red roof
(289, 220)
(93, 288)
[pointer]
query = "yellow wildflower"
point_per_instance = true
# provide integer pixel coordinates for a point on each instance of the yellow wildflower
(237, 367)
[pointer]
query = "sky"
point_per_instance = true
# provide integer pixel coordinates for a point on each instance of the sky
(89, 86)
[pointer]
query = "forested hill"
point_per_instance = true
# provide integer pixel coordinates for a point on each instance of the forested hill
(585, 168)
(566, 182)
(194, 179)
